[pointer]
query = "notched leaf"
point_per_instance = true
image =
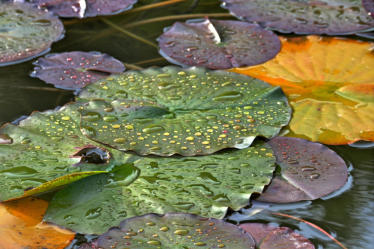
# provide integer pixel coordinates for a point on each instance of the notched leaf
(218, 44)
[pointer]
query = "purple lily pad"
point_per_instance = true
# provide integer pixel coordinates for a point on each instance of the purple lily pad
(369, 6)
(308, 171)
(74, 70)
(218, 44)
(270, 237)
(332, 17)
(85, 8)
(179, 230)
(26, 32)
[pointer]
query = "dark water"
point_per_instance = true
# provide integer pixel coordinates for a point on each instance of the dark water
(349, 216)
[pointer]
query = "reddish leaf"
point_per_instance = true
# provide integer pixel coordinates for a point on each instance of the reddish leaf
(309, 171)
(218, 44)
(74, 70)
(270, 237)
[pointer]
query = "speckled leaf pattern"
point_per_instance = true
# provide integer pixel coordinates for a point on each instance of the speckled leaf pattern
(21, 227)
(308, 171)
(332, 96)
(74, 70)
(39, 153)
(332, 17)
(188, 112)
(26, 32)
(205, 186)
(270, 237)
(218, 44)
(85, 8)
(174, 231)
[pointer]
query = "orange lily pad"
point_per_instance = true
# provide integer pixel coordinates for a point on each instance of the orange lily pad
(330, 85)
(21, 227)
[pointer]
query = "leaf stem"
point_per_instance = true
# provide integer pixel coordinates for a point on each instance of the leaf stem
(175, 17)
(153, 5)
(132, 66)
(312, 225)
(150, 61)
(128, 33)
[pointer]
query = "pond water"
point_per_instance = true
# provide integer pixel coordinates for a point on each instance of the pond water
(348, 215)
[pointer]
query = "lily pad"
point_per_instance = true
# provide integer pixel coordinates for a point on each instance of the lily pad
(332, 17)
(41, 154)
(74, 70)
(206, 186)
(26, 32)
(175, 230)
(218, 44)
(332, 96)
(270, 237)
(85, 8)
(369, 6)
(308, 171)
(188, 112)
(21, 227)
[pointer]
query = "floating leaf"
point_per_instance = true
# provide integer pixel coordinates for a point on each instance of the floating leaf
(26, 32)
(205, 185)
(270, 237)
(74, 70)
(85, 8)
(331, 95)
(369, 6)
(21, 227)
(188, 112)
(308, 171)
(218, 44)
(174, 230)
(40, 154)
(332, 17)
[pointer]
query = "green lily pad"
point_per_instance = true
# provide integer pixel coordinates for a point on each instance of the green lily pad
(205, 185)
(176, 231)
(188, 112)
(44, 152)
(26, 32)
(332, 17)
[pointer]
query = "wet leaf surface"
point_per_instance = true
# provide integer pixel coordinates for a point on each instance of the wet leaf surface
(21, 227)
(74, 70)
(205, 186)
(271, 237)
(332, 17)
(85, 8)
(175, 230)
(38, 154)
(331, 95)
(369, 6)
(188, 112)
(26, 32)
(218, 44)
(308, 171)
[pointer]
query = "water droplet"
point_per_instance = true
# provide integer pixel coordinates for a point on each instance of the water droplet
(228, 96)
(154, 242)
(93, 213)
(314, 176)
(307, 168)
(18, 172)
(91, 116)
(153, 129)
(181, 232)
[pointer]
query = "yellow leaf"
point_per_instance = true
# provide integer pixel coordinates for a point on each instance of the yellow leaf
(330, 85)
(21, 227)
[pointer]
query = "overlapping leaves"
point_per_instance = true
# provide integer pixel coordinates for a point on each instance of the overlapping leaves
(188, 112)
(205, 185)
(331, 95)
